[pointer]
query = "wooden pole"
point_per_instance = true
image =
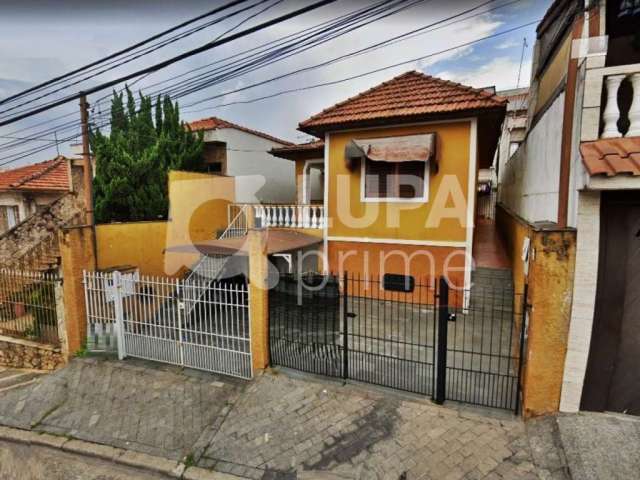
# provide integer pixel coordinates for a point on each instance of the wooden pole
(86, 155)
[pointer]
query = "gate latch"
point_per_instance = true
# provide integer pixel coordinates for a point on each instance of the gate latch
(181, 305)
(351, 315)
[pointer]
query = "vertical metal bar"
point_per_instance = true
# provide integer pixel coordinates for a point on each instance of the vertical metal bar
(345, 327)
(443, 319)
(117, 303)
(523, 326)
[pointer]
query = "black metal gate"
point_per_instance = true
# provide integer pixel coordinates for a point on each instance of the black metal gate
(418, 337)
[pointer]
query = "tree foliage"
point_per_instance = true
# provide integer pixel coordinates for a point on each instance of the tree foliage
(132, 162)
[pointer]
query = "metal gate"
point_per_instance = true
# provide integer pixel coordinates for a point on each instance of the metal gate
(351, 328)
(416, 336)
(201, 323)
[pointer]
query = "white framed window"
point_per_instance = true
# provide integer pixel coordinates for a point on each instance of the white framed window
(406, 181)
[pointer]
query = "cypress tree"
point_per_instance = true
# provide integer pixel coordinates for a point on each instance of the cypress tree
(133, 161)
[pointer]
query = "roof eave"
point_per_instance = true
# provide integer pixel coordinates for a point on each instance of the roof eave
(320, 130)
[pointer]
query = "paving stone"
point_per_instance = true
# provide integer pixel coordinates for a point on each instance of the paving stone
(309, 427)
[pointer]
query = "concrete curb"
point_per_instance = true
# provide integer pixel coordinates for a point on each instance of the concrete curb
(128, 458)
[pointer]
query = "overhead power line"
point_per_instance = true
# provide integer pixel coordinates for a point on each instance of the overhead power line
(123, 51)
(166, 63)
(127, 59)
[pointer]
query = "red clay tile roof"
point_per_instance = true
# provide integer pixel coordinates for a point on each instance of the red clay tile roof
(612, 156)
(52, 175)
(300, 151)
(214, 123)
(408, 96)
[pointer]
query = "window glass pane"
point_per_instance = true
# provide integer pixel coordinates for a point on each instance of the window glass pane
(12, 216)
(410, 179)
(377, 178)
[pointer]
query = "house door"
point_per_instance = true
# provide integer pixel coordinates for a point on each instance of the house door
(612, 380)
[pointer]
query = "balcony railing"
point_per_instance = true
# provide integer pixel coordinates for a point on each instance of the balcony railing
(285, 216)
(611, 115)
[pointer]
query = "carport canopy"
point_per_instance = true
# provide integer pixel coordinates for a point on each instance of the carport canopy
(278, 241)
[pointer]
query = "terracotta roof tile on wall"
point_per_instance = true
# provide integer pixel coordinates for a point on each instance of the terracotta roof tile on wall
(410, 95)
(214, 123)
(306, 150)
(612, 156)
(52, 175)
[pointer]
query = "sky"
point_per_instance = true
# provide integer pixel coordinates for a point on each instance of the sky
(40, 39)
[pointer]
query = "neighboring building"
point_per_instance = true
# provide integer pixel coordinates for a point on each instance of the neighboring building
(579, 169)
(29, 189)
(386, 157)
(513, 129)
(238, 151)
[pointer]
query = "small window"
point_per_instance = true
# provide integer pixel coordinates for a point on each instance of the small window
(399, 180)
(398, 283)
(13, 216)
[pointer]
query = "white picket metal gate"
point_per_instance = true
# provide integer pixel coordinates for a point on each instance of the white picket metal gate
(198, 323)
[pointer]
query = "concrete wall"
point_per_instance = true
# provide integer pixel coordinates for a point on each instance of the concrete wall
(551, 268)
(140, 244)
(77, 254)
(247, 155)
(548, 275)
(530, 184)
(197, 212)
(584, 298)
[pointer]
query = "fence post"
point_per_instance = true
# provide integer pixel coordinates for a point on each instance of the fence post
(116, 281)
(345, 327)
(523, 326)
(77, 255)
(258, 295)
(443, 327)
(62, 329)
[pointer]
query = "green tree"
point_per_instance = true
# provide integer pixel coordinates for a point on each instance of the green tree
(133, 160)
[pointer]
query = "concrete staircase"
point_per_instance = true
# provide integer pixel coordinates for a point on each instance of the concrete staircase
(492, 288)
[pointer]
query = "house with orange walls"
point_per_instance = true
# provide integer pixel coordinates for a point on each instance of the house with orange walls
(395, 171)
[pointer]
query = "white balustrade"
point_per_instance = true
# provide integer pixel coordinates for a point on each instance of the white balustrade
(290, 216)
(611, 113)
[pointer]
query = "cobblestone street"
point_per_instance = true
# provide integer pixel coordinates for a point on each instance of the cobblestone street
(278, 426)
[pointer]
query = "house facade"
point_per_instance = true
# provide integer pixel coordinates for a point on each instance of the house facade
(27, 190)
(399, 164)
(579, 169)
(237, 151)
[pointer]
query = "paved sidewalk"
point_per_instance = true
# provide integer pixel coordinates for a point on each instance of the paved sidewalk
(277, 426)
(285, 427)
(157, 410)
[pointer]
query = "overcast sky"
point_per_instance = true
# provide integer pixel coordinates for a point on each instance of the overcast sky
(42, 39)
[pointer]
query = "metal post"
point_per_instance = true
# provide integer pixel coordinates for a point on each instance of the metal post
(345, 327)
(86, 155)
(443, 319)
(116, 279)
(180, 304)
(525, 306)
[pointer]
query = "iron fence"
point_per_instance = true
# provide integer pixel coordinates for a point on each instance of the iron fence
(404, 333)
(202, 323)
(28, 306)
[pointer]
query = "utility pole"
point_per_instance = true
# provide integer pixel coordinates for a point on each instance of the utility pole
(86, 155)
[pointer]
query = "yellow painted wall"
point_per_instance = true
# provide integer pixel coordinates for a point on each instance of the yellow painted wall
(550, 287)
(554, 74)
(198, 210)
(452, 153)
(513, 231)
(140, 244)
(550, 295)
